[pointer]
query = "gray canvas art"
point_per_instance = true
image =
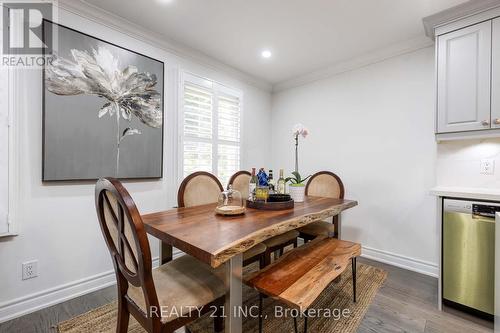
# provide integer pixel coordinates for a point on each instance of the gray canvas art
(103, 111)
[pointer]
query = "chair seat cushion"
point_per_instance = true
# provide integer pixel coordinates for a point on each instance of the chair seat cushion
(281, 239)
(254, 251)
(181, 285)
(319, 228)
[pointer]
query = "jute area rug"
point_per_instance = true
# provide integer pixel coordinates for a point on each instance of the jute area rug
(334, 310)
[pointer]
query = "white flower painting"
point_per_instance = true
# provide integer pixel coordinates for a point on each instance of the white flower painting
(127, 93)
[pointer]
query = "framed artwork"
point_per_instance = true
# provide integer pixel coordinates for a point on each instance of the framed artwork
(102, 110)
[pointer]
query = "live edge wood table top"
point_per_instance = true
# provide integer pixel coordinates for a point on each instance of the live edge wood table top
(215, 239)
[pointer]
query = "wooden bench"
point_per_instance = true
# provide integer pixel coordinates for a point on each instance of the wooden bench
(300, 275)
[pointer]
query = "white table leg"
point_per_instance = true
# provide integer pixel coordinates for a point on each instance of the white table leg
(234, 295)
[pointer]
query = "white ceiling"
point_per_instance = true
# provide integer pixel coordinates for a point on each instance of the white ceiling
(303, 35)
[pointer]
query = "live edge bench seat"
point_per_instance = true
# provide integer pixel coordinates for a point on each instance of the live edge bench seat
(300, 275)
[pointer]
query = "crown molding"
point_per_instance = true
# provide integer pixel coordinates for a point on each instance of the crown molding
(133, 30)
(366, 59)
(459, 12)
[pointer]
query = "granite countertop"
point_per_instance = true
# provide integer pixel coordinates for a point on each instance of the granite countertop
(477, 193)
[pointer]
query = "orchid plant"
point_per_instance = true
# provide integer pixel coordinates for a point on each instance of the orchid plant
(127, 91)
(297, 131)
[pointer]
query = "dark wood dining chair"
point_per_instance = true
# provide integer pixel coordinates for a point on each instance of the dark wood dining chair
(201, 188)
(323, 184)
(183, 284)
(239, 181)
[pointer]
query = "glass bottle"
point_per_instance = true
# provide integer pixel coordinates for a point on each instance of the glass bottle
(262, 191)
(252, 185)
(271, 182)
(262, 178)
(280, 187)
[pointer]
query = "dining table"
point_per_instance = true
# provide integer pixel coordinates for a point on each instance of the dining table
(220, 241)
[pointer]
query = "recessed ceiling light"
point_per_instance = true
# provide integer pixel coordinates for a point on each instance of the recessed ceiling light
(266, 54)
(165, 1)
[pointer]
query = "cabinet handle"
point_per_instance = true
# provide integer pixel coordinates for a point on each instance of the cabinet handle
(485, 122)
(496, 121)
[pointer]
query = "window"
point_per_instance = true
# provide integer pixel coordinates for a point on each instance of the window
(210, 127)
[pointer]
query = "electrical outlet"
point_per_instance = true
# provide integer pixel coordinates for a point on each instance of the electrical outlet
(30, 269)
(487, 167)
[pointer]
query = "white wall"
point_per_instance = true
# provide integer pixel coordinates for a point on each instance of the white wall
(57, 222)
(458, 163)
(374, 127)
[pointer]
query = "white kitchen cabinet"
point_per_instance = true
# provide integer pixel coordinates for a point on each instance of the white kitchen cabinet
(495, 74)
(463, 79)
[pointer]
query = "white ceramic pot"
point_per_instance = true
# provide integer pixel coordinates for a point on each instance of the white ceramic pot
(297, 192)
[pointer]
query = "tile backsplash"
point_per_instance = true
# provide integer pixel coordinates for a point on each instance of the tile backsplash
(458, 163)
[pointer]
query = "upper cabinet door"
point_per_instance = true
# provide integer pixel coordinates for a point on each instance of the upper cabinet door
(463, 78)
(495, 75)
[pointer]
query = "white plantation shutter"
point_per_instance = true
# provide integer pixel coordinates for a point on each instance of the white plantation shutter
(198, 104)
(228, 161)
(229, 118)
(197, 157)
(211, 126)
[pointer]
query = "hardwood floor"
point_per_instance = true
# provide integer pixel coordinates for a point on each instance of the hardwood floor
(406, 303)
(45, 320)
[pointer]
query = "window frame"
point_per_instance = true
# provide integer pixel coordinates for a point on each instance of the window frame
(217, 88)
(11, 86)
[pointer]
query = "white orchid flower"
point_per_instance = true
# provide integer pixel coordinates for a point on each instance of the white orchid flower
(299, 129)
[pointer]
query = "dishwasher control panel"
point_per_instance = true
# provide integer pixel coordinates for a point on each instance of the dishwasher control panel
(486, 210)
(458, 206)
(478, 208)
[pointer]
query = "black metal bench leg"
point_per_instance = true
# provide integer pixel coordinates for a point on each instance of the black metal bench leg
(305, 324)
(260, 313)
(295, 324)
(353, 261)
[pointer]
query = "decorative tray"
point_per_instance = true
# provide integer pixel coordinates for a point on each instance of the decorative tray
(275, 202)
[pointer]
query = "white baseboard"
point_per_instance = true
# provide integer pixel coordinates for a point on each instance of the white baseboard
(30, 303)
(397, 260)
(176, 253)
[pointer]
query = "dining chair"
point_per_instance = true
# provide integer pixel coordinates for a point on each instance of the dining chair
(239, 181)
(162, 299)
(323, 184)
(201, 188)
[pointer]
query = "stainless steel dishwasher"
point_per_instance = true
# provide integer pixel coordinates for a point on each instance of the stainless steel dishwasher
(469, 254)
